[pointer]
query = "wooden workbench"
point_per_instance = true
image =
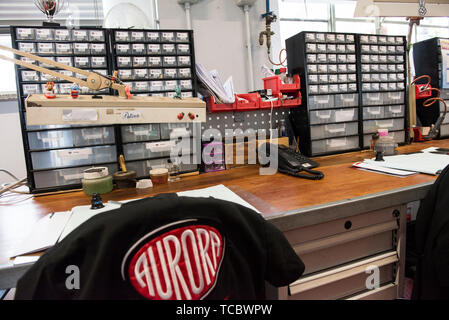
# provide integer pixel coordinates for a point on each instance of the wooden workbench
(290, 203)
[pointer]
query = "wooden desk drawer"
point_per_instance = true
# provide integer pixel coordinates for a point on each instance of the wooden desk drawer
(342, 248)
(343, 281)
(386, 292)
(343, 225)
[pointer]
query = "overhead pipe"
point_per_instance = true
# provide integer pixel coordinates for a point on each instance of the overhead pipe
(188, 19)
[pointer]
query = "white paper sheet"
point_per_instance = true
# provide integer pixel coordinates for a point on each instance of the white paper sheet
(217, 192)
(81, 214)
(44, 234)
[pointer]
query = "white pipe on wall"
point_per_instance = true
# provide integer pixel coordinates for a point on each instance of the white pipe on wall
(188, 19)
(248, 46)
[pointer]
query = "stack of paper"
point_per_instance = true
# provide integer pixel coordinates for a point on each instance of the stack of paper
(428, 161)
(223, 93)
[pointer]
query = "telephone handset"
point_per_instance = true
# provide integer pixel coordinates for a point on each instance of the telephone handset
(292, 163)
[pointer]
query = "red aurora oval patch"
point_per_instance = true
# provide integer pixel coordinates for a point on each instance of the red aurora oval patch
(181, 264)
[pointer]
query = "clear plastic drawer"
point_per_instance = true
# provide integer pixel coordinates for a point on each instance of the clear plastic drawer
(334, 130)
(70, 138)
(372, 99)
(347, 100)
(398, 137)
(176, 129)
(371, 126)
(73, 157)
(375, 112)
(147, 150)
(63, 177)
(334, 115)
(394, 97)
(140, 132)
(334, 145)
(321, 102)
(394, 111)
(143, 167)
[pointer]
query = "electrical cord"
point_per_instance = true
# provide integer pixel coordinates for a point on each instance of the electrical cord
(281, 62)
(9, 173)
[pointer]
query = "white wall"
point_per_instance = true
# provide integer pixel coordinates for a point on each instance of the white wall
(11, 146)
(219, 32)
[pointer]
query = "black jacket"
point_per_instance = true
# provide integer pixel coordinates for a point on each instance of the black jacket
(432, 242)
(166, 247)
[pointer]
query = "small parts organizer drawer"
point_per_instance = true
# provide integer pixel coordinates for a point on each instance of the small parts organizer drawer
(143, 167)
(333, 115)
(381, 112)
(64, 177)
(70, 138)
(334, 145)
(336, 254)
(371, 126)
(73, 157)
(382, 98)
(334, 130)
(332, 101)
(157, 149)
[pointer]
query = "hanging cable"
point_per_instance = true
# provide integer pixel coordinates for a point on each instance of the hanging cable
(281, 62)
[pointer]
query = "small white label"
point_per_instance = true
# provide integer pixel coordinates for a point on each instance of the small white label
(81, 114)
(153, 36)
(183, 48)
(98, 61)
(170, 60)
(80, 34)
(184, 73)
(154, 61)
(141, 73)
(124, 60)
(75, 154)
(138, 47)
(182, 36)
(97, 47)
(137, 35)
(82, 61)
(168, 48)
(171, 73)
(154, 48)
(130, 115)
(96, 35)
(157, 73)
(121, 35)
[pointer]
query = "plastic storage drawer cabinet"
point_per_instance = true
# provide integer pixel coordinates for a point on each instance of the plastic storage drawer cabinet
(335, 115)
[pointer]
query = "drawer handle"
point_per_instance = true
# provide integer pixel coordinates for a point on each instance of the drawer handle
(315, 245)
